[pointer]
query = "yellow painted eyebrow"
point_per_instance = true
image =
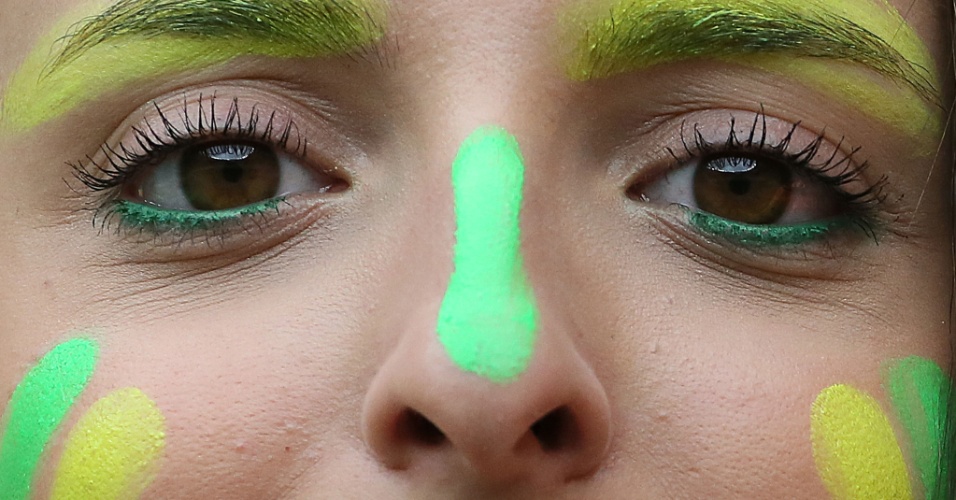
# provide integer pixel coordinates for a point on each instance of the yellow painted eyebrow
(137, 39)
(786, 36)
(635, 34)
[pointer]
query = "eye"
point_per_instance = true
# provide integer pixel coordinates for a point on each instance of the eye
(746, 188)
(224, 175)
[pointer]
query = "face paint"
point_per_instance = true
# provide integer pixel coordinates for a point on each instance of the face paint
(134, 41)
(487, 320)
(38, 405)
(854, 447)
(920, 392)
(794, 38)
(113, 451)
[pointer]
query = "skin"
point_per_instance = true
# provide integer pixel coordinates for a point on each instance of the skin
(118, 49)
(621, 36)
(289, 361)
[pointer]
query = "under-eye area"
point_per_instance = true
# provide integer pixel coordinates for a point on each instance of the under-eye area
(206, 166)
(759, 182)
(491, 249)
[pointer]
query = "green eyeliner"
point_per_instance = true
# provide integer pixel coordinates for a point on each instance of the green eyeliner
(138, 215)
(762, 235)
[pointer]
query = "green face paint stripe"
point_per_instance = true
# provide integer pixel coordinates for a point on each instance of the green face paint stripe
(920, 391)
(488, 318)
(38, 405)
(133, 41)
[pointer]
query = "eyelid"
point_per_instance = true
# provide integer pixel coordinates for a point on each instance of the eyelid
(198, 116)
(836, 171)
(688, 137)
(192, 116)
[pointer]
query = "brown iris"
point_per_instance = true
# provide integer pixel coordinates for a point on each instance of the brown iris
(743, 188)
(221, 176)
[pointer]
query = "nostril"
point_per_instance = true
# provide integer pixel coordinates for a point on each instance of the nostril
(414, 427)
(557, 430)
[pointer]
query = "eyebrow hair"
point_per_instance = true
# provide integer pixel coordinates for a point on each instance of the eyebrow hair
(134, 40)
(637, 34)
(316, 27)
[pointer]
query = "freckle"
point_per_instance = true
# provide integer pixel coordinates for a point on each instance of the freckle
(288, 448)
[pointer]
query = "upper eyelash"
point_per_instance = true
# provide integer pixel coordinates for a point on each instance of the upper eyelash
(832, 170)
(121, 164)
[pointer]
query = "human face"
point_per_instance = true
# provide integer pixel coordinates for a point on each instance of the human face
(486, 249)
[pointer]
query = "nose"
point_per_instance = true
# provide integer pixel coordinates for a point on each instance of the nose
(426, 416)
(489, 383)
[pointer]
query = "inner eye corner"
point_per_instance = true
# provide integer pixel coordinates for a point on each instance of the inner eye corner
(634, 190)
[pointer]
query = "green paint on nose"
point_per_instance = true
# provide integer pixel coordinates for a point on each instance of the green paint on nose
(488, 318)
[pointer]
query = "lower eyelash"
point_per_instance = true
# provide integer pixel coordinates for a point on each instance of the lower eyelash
(104, 180)
(755, 235)
(141, 217)
(861, 207)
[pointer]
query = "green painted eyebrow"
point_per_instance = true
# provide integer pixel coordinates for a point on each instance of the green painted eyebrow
(134, 40)
(637, 34)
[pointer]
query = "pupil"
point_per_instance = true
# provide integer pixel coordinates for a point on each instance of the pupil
(232, 173)
(743, 188)
(223, 176)
(739, 187)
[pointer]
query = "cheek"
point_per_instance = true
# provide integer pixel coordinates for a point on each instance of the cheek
(247, 419)
(731, 425)
(766, 415)
(214, 409)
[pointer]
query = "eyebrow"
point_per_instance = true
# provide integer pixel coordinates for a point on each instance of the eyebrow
(306, 27)
(638, 34)
(133, 40)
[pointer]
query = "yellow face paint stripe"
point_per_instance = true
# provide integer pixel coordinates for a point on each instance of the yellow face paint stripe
(113, 452)
(855, 448)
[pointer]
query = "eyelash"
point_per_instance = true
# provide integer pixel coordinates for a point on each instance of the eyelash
(833, 171)
(106, 178)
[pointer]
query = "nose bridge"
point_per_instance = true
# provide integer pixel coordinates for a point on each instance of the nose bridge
(488, 317)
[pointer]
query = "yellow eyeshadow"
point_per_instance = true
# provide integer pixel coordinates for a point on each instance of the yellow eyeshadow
(45, 87)
(903, 111)
(808, 41)
(113, 452)
(599, 20)
(855, 448)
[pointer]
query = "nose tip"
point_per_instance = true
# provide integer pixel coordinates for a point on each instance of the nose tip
(552, 425)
